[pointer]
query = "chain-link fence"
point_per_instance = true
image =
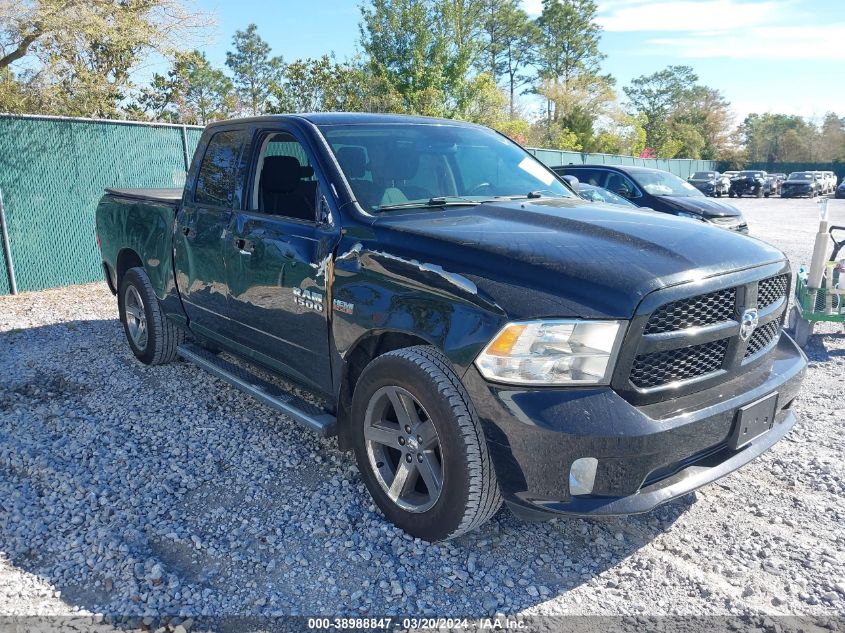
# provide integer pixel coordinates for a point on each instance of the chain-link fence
(52, 173)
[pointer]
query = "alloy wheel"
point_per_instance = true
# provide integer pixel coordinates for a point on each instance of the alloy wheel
(136, 317)
(403, 449)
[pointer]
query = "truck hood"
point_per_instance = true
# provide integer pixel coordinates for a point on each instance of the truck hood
(560, 257)
(707, 207)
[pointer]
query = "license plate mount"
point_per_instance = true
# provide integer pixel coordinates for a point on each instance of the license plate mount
(753, 420)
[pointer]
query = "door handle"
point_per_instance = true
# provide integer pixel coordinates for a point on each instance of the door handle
(188, 232)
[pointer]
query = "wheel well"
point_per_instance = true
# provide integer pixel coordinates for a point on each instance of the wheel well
(126, 259)
(361, 355)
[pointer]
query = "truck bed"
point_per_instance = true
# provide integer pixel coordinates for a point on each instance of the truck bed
(167, 196)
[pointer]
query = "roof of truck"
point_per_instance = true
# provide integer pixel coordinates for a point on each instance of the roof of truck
(349, 118)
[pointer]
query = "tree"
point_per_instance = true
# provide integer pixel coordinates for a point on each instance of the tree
(405, 53)
(569, 63)
(831, 145)
(159, 100)
(82, 52)
(254, 70)
(459, 25)
(511, 38)
(570, 40)
(580, 104)
(205, 93)
(621, 133)
(656, 97)
(773, 138)
(319, 85)
(421, 56)
(706, 111)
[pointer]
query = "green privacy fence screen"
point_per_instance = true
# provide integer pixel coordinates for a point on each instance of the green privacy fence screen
(682, 167)
(53, 172)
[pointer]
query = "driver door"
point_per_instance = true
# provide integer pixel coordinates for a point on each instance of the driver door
(278, 258)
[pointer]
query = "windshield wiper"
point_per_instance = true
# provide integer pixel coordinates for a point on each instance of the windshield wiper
(534, 195)
(436, 202)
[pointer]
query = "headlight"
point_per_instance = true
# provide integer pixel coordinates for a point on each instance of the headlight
(560, 352)
(692, 216)
(728, 220)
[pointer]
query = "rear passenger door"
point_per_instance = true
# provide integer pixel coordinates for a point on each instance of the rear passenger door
(201, 223)
(278, 257)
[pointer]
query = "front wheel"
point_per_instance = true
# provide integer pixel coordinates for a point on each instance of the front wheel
(152, 337)
(420, 447)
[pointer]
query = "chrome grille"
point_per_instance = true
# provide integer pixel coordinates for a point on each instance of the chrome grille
(762, 336)
(660, 368)
(714, 307)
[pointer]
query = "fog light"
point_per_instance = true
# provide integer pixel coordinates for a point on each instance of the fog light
(582, 476)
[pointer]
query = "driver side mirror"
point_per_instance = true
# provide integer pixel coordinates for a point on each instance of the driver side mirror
(572, 181)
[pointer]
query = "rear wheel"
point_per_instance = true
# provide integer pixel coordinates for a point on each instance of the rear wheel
(420, 447)
(152, 337)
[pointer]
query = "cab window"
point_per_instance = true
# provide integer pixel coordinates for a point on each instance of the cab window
(218, 170)
(285, 183)
(595, 177)
(621, 185)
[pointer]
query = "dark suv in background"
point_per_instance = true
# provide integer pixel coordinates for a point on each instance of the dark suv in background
(801, 183)
(751, 182)
(710, 183)
(658, 190)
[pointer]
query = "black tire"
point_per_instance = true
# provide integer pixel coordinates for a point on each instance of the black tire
(469, 492)
(163, 337)
(731, 194)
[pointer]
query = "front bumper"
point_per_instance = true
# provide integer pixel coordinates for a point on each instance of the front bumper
(796, 193)
(647, 455)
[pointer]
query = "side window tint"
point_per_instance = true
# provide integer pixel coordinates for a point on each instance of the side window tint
(631, 187)
(218, 170)
(285, 182)
(595, 177)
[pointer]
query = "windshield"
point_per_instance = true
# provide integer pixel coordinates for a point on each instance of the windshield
(800, 176)
(662, 183)
(395, 166)
(751, 173)
(703, 175)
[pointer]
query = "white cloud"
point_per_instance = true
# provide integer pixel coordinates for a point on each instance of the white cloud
(532, 7)
(686, 15)
(765, 43)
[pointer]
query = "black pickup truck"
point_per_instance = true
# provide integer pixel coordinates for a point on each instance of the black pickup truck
(473, 330)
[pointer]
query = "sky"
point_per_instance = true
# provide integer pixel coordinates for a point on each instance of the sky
(764, 55)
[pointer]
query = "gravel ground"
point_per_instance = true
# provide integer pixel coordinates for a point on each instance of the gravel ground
(162, 491)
